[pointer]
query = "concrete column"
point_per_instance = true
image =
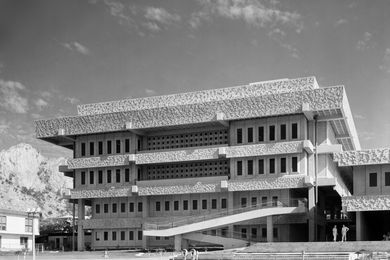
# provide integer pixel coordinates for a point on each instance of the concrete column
(80, 230)
(311, 209)
(270, 228)
(359, 226)
(145, 215)
(230, 205)
(178, 245)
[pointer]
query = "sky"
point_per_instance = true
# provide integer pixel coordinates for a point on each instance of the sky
(56, 54)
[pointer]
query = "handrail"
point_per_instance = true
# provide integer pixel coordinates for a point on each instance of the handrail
(190, 220)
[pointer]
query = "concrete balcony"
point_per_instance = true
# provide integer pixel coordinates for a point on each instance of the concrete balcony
(366, 203)
(363, 157)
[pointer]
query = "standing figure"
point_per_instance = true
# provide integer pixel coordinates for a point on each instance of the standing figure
(185, 254)
(344, 231)
(194, 254)
(334, 231)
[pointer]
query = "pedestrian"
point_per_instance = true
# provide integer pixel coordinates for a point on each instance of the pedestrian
(195, 255)
(334, 231)
(185, 254)
(344, 231)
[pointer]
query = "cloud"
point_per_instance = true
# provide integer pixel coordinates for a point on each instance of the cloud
(340, 22)
(358, 116)
(278, 36)
(385, 67)
(77, 47)
(152, 26)
(365, 43)
(150, 92)
(252, 12)
(4, 126)
(40, 103)
(365, 135)
(71, 100)
(10, 97)
(161, 15)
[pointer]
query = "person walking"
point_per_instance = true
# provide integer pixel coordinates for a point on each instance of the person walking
(195, 255)
(185, 254)
(334, 231)
(344, 231)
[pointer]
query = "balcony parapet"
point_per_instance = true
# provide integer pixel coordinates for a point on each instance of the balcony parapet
(264, 149)
(363, 157)
(95, 162)
(98, 223)
(268, 183)
(366, 203)
(101, 193)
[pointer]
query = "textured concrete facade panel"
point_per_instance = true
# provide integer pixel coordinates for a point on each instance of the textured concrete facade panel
(197, 187)
(101, 193)
(264, 149)
(366, 203)
(285, 182)
(111, 223)
(269, 105)
(94, 162)
(363, 157)
(259, 89)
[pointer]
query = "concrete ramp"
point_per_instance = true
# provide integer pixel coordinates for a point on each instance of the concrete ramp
(217, 240)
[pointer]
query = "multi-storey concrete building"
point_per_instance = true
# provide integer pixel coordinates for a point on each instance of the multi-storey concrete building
(248, 163)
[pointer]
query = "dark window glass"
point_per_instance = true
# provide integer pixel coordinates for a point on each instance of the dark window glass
(91, 148)
(127, 145)
(118, 146)
(250, 134)
(275, 232)
(294, 131)
(243, 202)
(204, 204)
(122, 235)
(185, 204)
(243, 232)
(373, 179)
(176, 205)
(239, 135)
(139, 206)
(261, 133)
(254, 201)
(108, 176)
(139, 146)
(105, 235)
(114, 235)
(82, 149)
(214, 203)
(91, 177)
(223, 203)
(100, 177)
(387, 178)
(263, 232)
(261, 166)
(97, 208)
(105, 208)
(294, 162)
(158, 206)
(274, 201)
(194, 204)
(264, 201)
(127, 175)
(282, 164)
(139, 234)
(131, 207)
(131, 235)
(82, 178)
(250, 167)
(272, 165)
(254, 232)
(272, 133)
(167, 205)
(109, 151)
(283, 132)
(100, 147)
(123, 207)
(118, 175)
(114, 208)
(139, 173)
(239, 167)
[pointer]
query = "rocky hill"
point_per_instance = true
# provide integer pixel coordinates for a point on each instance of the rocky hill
(27, 179)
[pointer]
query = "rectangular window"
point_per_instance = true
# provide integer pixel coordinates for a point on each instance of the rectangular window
(176, 205)
(387, 178)
(243, 202)
(261, 166)
(113, 235)
(167, 205)
(127, 145)
(261, 133)
(91, 177)
(97, 236)
(185, 204)
(139, 146)
(108, 176)
(139, 206)
(131, 235)
(97, 208)
(100, 176)
(23, 241)
(157, 238)
(123, 207)
(272, 133)
(283, 165)
(224, 232)
(243, 232)
(239, 168)
(105, 235)
(272, 165)
(283, 132)
(158, 206)
(118, 146)
(100, 147)
(250, 134)
(254, 233)
(109, 147)
(83, 149)
(92, 148)
(139, 234)
(139, 173)
(239, 135)
(127, 175)
(194, 204)
(122, 235)
(214, 204)
(28, 225)
(105, 208)
(294, 131)
(264, 201)
(373, 179)
(118, 175)
(250, 167)
(275, 201)
(223, 203)
(253, 201)
(82, 178)
(131, 207)
(275, 232)
(204, 204)
(114, 208)
(263, 232)
(294, 164)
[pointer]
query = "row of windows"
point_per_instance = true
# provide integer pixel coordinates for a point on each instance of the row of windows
(28, 223)
(187, 140)
(119, 235)
(121, 209)
(204, 204)
(244, 232)
(373, 179)
(3, 223)
(271, 133)
(108, 176)
(271, 166)
(107, 147)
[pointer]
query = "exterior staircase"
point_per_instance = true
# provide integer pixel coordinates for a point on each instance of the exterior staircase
(226, 242)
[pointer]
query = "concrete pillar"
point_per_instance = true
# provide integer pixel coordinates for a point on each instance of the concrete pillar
(230, 202)
(145, 215)
(80, 230)
(270, 228)
(311, 209)
(359, 226)
(178, 245)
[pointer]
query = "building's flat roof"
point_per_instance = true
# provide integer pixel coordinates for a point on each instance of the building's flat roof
(12, 212)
